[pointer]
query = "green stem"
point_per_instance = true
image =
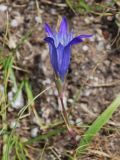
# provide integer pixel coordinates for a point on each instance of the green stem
(64, 114)
(4, 125)
(59, 86)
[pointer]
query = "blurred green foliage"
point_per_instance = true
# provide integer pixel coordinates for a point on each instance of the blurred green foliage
(84, 7)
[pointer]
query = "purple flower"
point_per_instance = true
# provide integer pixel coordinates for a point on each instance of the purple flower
(60, 47)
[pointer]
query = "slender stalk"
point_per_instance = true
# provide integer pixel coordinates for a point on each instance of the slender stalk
(64, 114)
(65, 118)
(59, 87)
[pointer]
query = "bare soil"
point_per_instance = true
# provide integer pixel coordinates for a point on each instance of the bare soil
(93, 77)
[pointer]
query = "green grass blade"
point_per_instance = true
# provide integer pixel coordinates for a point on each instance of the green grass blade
(19, 148)
(97, 125)
(13, 78)
(7, 65)
(46, 136)
(29, 92)
(84, 5)
(18, 91)
(70, 4)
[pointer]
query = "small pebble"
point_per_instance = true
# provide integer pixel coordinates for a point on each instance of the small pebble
(48, 99)
(108, 46)
(12, 42)
(78, 121)
(46, 113)
(53, 11)
(76, 73)
(77, 138)
(38, 19)
(14, 23)
(70, 100)
(3, 8)
(71, 122)
(85, 48)
(87, 92)
(47, 81)
(89, 20)
(55, 92)
(34, 132)
(18, 102)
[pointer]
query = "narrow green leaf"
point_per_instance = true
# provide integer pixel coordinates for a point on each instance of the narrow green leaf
(29, 92)
(70, 4)
(84, 5)
(97, 125)
(45, 136)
